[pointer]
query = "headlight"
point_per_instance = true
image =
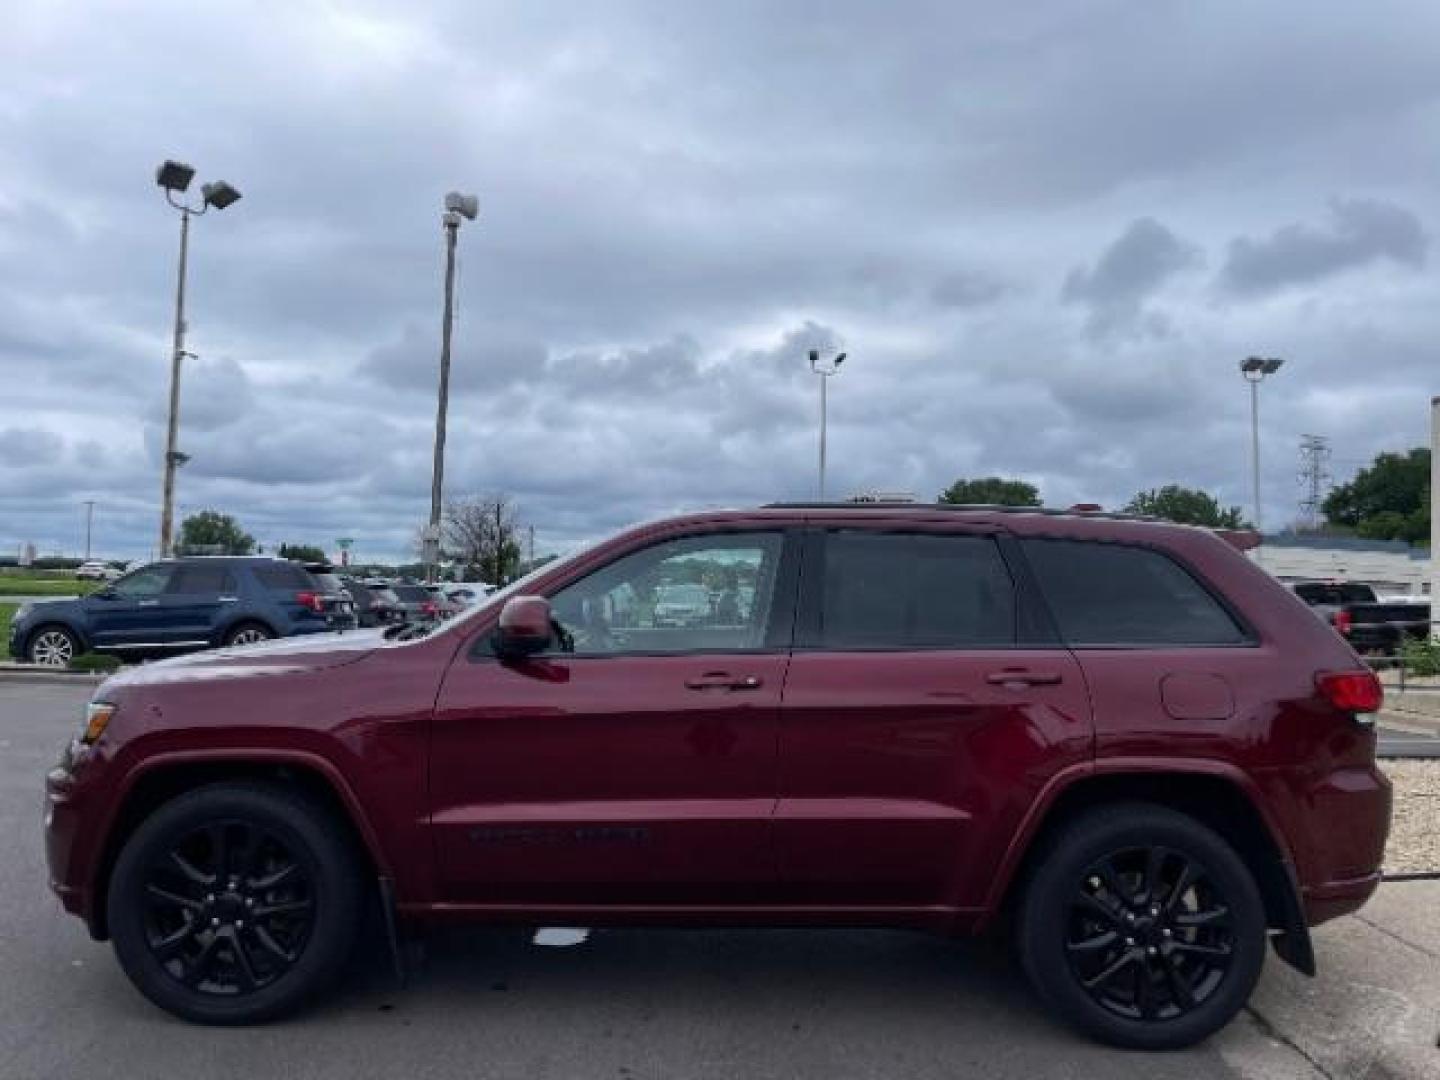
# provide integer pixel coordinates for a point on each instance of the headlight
(97, 719)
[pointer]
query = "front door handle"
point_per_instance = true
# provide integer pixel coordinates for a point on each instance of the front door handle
(146, 603)
(723, 680)
(1023, 678)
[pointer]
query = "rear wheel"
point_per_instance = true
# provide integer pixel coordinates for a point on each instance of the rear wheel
(1142, 927)
(52, 646)
(248, 634)
(235, 903)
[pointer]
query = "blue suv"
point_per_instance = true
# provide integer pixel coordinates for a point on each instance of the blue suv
(182, 604)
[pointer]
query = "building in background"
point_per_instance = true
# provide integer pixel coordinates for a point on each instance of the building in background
(1389, 566)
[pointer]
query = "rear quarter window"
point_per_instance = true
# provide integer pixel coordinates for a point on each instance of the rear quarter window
(1121, 595)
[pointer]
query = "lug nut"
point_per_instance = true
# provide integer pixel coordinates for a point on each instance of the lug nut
(240, 925)
(214, 922)
(1152, 950)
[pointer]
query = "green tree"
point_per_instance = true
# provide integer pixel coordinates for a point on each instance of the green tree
(991, 491)
(1390, 500)
(212, 530)
(303, 553)
(1186, 506)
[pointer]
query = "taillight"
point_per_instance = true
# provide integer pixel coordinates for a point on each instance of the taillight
(1343, 622)
(312, 600)
(1351, 691)
(429, 608)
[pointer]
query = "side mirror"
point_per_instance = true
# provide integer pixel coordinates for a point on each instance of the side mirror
(524, 627)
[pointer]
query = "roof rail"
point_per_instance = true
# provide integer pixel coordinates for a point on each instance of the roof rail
(990, 508)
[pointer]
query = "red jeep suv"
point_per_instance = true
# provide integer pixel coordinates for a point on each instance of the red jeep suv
(1120, 734)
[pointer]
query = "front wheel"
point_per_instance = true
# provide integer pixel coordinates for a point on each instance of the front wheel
(235, 903)
(1142, 927)
(52, 646)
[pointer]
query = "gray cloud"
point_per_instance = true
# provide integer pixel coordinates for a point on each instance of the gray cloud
(677, 202)
(1131, 270)
(1360, 231)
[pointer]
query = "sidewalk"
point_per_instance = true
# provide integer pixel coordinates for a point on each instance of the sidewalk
(1374, 1009)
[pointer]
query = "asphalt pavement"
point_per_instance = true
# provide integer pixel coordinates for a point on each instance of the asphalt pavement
(667, 1004)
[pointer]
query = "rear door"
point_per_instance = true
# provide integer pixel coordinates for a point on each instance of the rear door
(927, 704)
(195, 602)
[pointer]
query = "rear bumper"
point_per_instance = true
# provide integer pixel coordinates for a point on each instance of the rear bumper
(1333, 899)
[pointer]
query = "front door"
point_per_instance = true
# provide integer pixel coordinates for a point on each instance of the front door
(128, 612)
(633, 762)
(925, 707)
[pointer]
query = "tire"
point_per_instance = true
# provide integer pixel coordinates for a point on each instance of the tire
(53, 645)
(1098, 885)
(250, 935)
(247, 633)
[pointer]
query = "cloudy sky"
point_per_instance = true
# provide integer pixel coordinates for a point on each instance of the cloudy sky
(1046, 233)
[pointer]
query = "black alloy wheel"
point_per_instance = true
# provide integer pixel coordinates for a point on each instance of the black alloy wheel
(236, 902)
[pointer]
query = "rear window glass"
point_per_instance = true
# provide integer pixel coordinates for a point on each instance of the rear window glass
(913, 590)
(202, 579)
(328, 583)
(1334, 594)
(411, 593)
(284, 576)
(1113, 594)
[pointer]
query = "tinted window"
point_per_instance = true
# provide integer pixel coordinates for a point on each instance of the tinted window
(150, 581)
(284, 576)
(1334, 594)
(202, 579)
(411, 594)
(912, 590)
(1111, 594)
(703, 593)
(328, 583)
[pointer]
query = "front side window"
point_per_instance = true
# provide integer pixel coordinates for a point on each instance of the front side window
(697, 594)
(1115, 594)
(914, 590)
(148, 582)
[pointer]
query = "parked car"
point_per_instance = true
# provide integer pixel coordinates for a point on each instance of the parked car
(1326, 598)
(682, 605)
(96, 570)
(178, 605)
(1120, 736)
(418, 603)
(1383, 627)
(375, 605)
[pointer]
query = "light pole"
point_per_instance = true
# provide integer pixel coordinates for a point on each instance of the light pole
(89, 521)
(175, 177)
(826, 373)
(456, 207)
(1254, 369)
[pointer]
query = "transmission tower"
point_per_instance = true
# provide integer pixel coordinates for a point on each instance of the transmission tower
(1314, 477)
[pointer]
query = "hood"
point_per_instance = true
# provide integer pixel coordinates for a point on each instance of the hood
(282, 656)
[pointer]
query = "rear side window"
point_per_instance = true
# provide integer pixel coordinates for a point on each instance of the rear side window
(202, 579)
(1113, 594)
(914, 590)
(284, 577)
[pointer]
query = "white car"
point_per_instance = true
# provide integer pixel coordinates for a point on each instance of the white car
(96, 570)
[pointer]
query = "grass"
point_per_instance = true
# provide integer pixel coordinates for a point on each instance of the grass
(7, 612)
(14, 585)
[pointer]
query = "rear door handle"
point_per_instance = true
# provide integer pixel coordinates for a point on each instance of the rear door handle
(146, 603)
(723, 680)
(1023, 678)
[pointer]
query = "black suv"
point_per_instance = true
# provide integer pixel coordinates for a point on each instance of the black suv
(181, 604)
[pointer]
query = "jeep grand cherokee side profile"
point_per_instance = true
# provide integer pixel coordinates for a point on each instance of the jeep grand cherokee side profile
(1121, 733)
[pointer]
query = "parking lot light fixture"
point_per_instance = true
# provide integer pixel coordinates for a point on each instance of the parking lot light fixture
(1254, 369)
(826, 373)
(174, 177)
(456, 207)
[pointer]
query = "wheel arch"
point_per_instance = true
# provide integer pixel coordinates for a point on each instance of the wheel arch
(226, 628)
(69, 625)
(1211, 793)
(163, 778)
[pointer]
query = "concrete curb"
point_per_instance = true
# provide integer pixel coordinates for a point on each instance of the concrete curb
(11, 672)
